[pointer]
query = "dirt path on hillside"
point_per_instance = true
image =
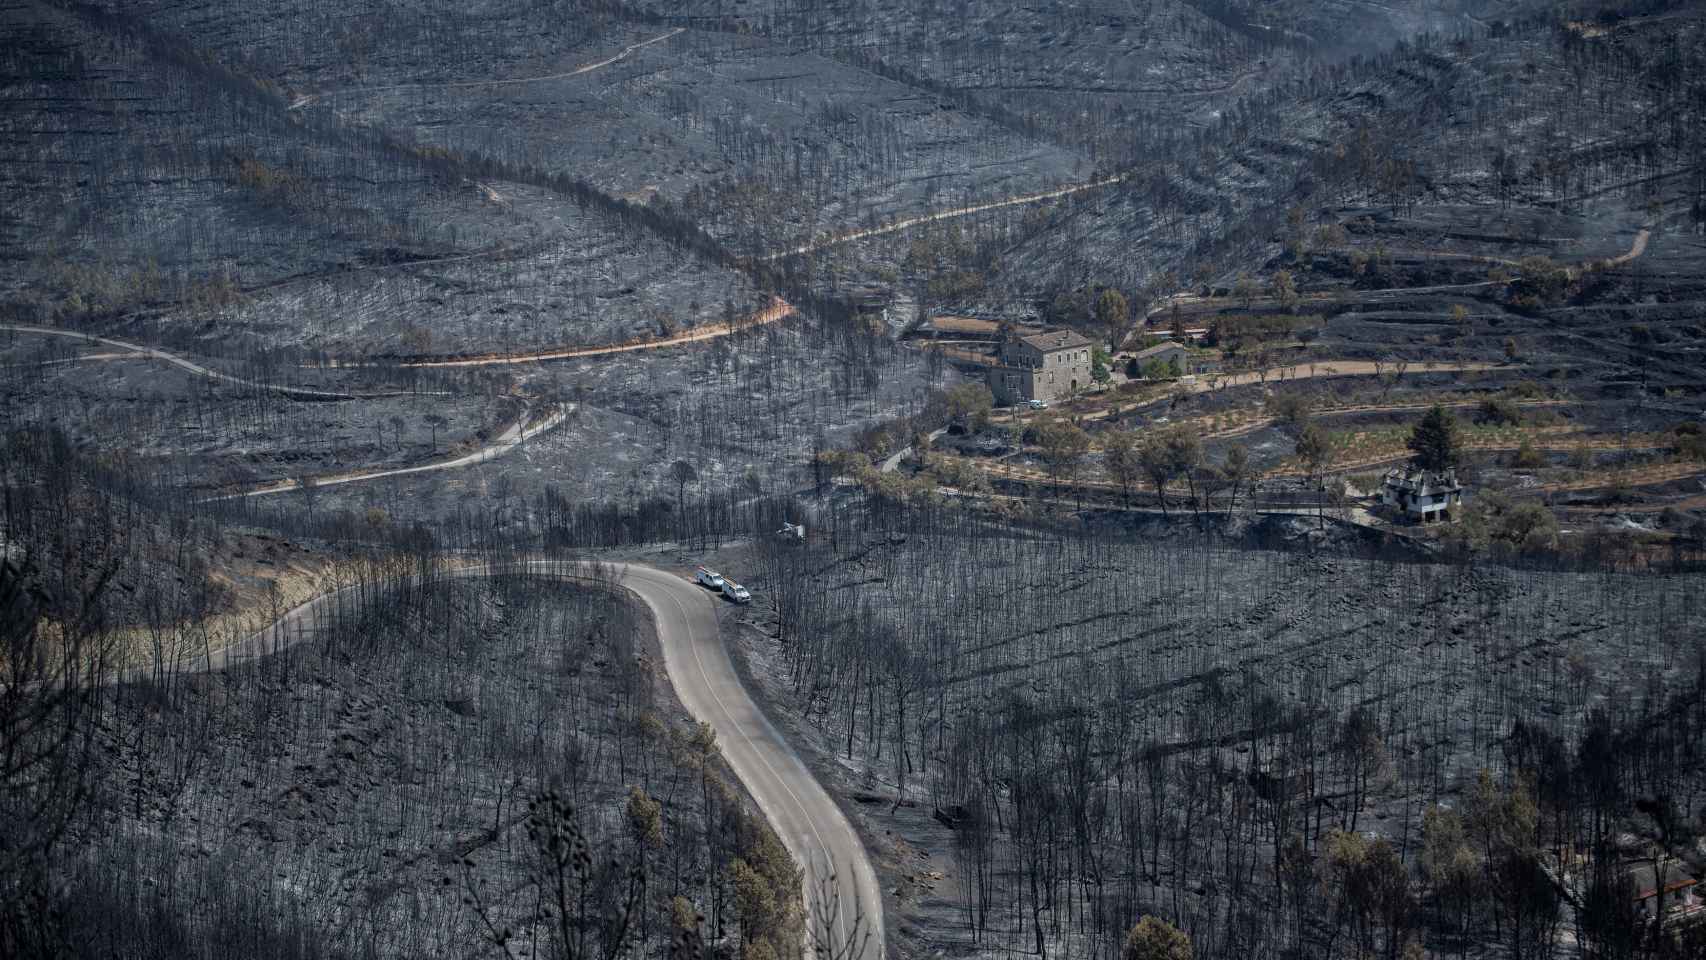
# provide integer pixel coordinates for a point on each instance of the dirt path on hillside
(851, 235)
(1320, 369)
(307, 99)
(85, 358)
(1686, 503)
(183, 363)
(513, 436)
(1637, 248)
(1487, 446)
(1205, 304)
(1333, 368)
(1261, 422)
(1651, 473)
(777, 310)
(1352, 513)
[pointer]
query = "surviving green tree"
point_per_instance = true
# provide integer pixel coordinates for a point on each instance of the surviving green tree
(1434, 443)
(1155, 939)
(1112, 312)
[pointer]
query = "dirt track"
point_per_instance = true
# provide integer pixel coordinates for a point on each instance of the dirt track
(1334, 368)
(1636, 249)
(513, 436)
(1191, 301)
(308, 99)
(778, 310)
(1304, 371)
(898, 225)
(182, 363)
(1259, 423)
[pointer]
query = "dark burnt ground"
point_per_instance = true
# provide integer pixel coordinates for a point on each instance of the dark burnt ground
(1217, 660)
(343, 793)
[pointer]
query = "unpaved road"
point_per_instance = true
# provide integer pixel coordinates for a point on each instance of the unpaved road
(513, 436)
(777, 310)
(153, 353)
(85, 358)
(1687, 503)
(851, 235)
(808, 821)
(1334, 368)
(1259, 423)
(1354, 514)
(892, 462)
(1277, 376)
(1637, 248)
(307, 99)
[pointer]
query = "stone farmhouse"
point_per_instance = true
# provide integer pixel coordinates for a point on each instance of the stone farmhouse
(1047, 366)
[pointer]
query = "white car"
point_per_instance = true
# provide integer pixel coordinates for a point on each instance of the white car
(1036, 404)
(708, 578)
(736, 592)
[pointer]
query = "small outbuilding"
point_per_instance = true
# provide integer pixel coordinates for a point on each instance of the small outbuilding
(1422, 495)
(1672, 885)
(1168, 356)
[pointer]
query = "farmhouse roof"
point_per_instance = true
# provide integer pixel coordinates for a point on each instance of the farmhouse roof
(1165, 346)
(1645, 881)
(1649, 893)
(958, 324)
(1422, 482)
(1052, 340)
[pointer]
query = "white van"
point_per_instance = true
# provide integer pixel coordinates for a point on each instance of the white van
(736, 592)
(708, 578)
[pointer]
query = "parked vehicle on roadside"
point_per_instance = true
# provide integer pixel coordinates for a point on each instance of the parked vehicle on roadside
(736, 592)
(1037, 404)
(706, 577)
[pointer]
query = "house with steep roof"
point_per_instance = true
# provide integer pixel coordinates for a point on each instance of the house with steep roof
(1422, 495)
(1046, 366)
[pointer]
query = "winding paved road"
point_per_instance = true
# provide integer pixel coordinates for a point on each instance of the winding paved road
(811, 825)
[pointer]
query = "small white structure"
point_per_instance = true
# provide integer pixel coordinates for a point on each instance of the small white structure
(1421, 495)
(1671, 884)
(792, 531)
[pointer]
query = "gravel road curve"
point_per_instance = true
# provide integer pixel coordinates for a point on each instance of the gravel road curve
(843, 900)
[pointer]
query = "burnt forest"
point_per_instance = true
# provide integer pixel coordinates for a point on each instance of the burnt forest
(853, 479)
